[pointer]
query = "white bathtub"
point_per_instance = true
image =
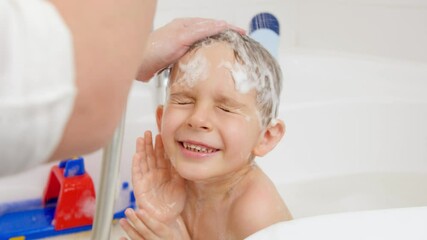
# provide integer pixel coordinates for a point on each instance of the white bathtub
(356, 134)
(356, 138)
(385, 224)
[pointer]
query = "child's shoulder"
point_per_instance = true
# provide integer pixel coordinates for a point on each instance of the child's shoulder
(259, 205)
(258, 196)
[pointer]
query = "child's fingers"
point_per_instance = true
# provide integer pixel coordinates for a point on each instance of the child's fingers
(157, 227)
(151, 158)
(130, 231)
(140, 144)
(139, 225)
(162, 162)
(139, 167)
(139, 161)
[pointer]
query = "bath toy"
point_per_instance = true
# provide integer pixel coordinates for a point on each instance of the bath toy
(67, 205)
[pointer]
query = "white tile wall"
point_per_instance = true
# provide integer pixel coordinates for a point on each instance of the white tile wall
(391, 29)
(385, 28)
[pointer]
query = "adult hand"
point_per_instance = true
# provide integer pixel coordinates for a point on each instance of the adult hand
(168, 43)
(158, 188)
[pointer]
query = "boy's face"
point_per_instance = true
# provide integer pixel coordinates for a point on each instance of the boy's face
(209, 129)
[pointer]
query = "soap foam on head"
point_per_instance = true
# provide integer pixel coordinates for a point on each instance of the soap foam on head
(254, 68)
(195, 69)
(240, 77)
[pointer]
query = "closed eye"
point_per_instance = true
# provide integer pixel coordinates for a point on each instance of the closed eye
(225, 109)
(183, 103)
(180, 99)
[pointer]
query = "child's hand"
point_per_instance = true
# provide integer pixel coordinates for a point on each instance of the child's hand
(159, 190)
(141, 226)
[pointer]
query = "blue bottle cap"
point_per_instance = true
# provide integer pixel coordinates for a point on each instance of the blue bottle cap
(264, 20)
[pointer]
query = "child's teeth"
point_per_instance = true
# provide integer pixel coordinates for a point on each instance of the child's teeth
(197, 148)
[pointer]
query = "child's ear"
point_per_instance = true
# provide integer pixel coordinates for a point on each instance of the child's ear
(159, 117)
(270, 138)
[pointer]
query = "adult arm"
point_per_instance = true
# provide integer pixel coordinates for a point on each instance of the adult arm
(111, 47)
(108, 39)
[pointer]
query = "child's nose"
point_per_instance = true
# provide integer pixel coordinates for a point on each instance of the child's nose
(199, 119)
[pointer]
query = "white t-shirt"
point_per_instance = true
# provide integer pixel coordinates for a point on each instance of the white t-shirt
(37, 87)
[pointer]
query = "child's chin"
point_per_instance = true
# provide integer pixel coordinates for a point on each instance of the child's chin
(192, 174)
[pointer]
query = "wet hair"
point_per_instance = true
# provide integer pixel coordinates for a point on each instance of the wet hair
(261, 70)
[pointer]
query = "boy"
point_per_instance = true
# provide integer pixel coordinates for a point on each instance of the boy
(200, 181)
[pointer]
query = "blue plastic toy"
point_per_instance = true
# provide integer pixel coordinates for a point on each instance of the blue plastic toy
(63, 208)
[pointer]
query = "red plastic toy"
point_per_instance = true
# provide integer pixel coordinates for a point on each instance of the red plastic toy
(73, 189)
(67, 205)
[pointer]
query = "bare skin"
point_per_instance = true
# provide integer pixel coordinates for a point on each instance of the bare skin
(159, 189)
(160, 192)
(233, 209)
(211, 133)
(112, 46)
(105, 33)
(230, 209)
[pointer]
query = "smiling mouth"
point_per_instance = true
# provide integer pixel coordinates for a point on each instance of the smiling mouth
(197, 148)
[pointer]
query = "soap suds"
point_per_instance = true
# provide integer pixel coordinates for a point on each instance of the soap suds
(254, 68)
(196, 69)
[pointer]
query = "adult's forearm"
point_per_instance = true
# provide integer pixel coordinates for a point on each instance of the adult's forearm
(108, 38)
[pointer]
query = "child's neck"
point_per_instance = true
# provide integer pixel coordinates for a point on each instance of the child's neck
(219, 189)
